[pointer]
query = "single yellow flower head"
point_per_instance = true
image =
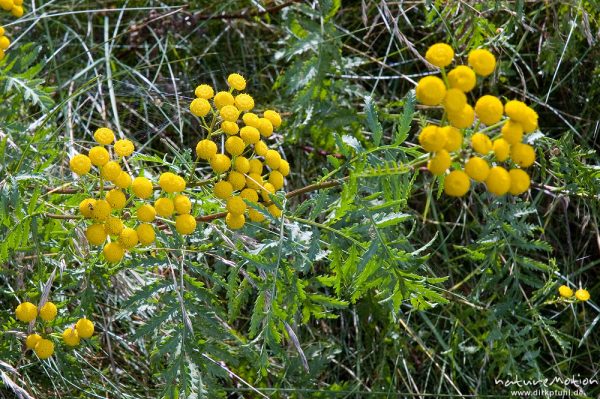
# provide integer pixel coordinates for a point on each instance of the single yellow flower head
(462, 119)
(44, 349)
(101, 210)
(272, 159)
(123, 180)
(254, 181)
(284, 167)
(565, 291)
(530, 122)
(99, 156)
(489, 109)
(104, 136)
(256, 166)
(113, 226)
(244, 102)
(501, 149)
(17, 11)
(482, 61)
(142, 187)
(32, 340)
(223, 189)
(80, 164)
(498, 181)
(463, 78)
(26, 312)
(229, 113)
(182, 203)
(128, 238)
(522, 154)
(95, 234)
(440, 55)
(236, 81)
(516, 110)
(512, 132)
(4, 42)
(146, 213)
(477, 169)
(185, 224)
(430, 90)
(274, 210)
(454, 138)
(48, 312)
(236, 205)
(276, 179)
(268, 189)
(145, 233)
(222, 99)
(164, 207)
(432, 138)
(204, 91)
(249, 194)
(235, 222)
(235, 145)
(230, 128)
(85, 328)
(455, 100)
(200, 107)
(255, 215)
(124, 148)
(261, 148)
(206, 149)
(113, 252)
(519, 181)
(265, 127)
(251, 119)
(86, 207)
(237, 180)
(220, 163)
(457, 183)
(274, 117)
(111, 170)
(116, 198)
(70, 337)
(481, 143)
(241, 164)
(171, 183)
(250, 135)
(2, 54)
(439, 163)
(582, 295)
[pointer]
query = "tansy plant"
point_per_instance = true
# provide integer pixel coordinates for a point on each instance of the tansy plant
(43, 343)
(239, 165)
(497, 155)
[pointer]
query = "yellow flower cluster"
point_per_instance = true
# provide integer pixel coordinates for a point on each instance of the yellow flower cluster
(27, 312)
(240, 164)
(107, 213)
(14, 6)
(581, 294)
(506, 123)
(4, 43)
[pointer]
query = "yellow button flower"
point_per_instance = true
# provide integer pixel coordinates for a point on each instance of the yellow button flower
(26, 312)
(432, 138)
(249, 194)
(274, 117)
(104, 136)
(256, 166)
(582, 295)
(501, 149)
(101, 210)
(489, 109)
(244, 102)
(440, 55)
(113, 252)
(146, 213)
(142, 187)
(200, 107)
(220, 163)
(185, 224)
(236, 81)
(481, 143)
(241, 164)
(565, 291)
(124, 148)
(455, 100)
(98, 155)
(284, 167)
(457, 183)
(48, 312)
(482, 61)
(522, 154)
(237, 180)
(44, 349)
(123, 180)
(254, 181)
(95, 234)
(80, 164)
(430, 90)
(229, 113)
(113, 226)
(272, 159)
(498, 181)
(251, 119)
(116, 198)
(128, 238)
(164, 207)
(204, 91)
(32, 340)
(85, 328)
(182, 203)
(111, 170)
(222, 99)
(519, 181)
(454, 138)
(235, 222)
(463, 78)
(230, 128)
(255, 215)
(236, 206)
(235, 145)
(206, 149)
(477, 169)
(70, 337)
(512, 132)
(250, 135)
(274, 210)
(86, 207)
(145, 233)
(462, 119)
(261, 148)
(439, 163)
(276, 179)
(223, 189)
